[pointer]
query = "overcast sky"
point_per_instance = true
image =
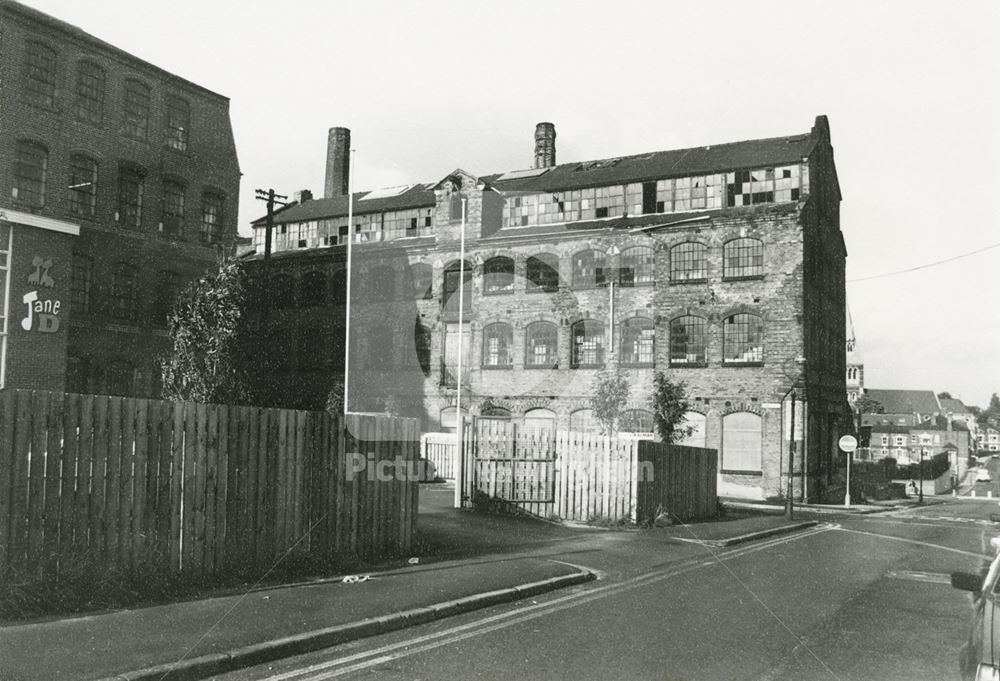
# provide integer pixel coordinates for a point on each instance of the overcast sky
(910, 89)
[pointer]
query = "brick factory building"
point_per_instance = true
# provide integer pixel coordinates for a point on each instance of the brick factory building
(722, 266)
(118, 184)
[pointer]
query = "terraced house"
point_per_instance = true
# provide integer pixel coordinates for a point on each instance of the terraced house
(721, 265)
(118, 184)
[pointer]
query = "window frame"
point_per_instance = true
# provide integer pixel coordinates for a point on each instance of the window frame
(539, 271)
(124, 291)
(745, 339)
(530, 334)
(177, 123)
(590, 274)
(679, 256)
(41, 64)
(633, 332)
(748, 252)
(31, 169)
(211, 230)
(699, 326)
(83, 203)
(642, 273)
(591, 330)
(173, 207)
(498, 276)
(136, 104)
(129, 211)
(503, 333)
(89, 91)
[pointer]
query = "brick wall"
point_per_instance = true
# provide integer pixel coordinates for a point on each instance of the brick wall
(206, 165)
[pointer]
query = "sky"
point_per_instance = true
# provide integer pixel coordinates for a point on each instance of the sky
(910, 89)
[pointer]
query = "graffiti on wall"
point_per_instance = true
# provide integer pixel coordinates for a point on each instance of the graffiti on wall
(44, 310)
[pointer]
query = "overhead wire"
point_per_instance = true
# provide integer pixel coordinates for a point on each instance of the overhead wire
(925, 266)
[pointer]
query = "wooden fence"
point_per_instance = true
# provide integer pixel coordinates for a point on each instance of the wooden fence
(439, 450)
(197, 488)
(679, 482)
(583, 477)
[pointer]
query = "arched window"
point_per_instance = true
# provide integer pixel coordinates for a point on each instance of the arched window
(312, 289)
(172, 218)
(688, 341)
(589, 269)
(498, 275)
(689, 262)
(542, 273)
(638, 266)
(423, 280)
(40, 74)
(124, 291)
(422, 346)
(588, 344)
(89, 92)
(495, 413)
(638, 342)
(741, 442)
(450, 289)
(696, 422)
(582, 421)
(282, 291)
(638, 421)
(742, 339)
(541, 346)
(212, 204)
(136, 109)
(31, 165)
(131, 179)
(539, 420)
(449, 418)
(82, 185)
(497, 341)
(178, 123)
(742, 258)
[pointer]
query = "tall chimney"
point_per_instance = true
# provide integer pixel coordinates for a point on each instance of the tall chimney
(545, 145)
(338, 162)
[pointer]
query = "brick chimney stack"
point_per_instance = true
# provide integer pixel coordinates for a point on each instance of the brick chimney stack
(545, 145)
(338, 162)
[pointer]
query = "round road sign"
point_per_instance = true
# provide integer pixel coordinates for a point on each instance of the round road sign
(848, 443)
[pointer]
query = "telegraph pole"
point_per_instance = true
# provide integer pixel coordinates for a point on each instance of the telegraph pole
(272, 200)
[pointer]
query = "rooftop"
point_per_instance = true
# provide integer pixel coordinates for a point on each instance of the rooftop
(694, 161)
(905, 401)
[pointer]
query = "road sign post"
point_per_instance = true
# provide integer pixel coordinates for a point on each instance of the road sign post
(848, 444)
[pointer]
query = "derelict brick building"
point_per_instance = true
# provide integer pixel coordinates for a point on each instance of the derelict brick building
(722, 266)
(119, 183)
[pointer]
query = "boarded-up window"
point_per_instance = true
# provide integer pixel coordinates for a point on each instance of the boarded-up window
(696, 422)
(741, 442)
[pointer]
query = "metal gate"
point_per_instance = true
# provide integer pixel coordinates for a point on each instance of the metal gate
(512, 462)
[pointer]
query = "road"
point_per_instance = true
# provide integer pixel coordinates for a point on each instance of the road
(858, 597)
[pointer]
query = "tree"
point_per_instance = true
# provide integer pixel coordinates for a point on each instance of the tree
(944, 396)
(990, 417)
(335, 399)
(206, 327)
(868, 405)
(669, 404)
(610, 394)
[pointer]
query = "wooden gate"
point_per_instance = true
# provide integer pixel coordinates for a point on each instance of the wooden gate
(512, 462)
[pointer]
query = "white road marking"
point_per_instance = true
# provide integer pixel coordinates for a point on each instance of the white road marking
(915, 541)
(387, 653)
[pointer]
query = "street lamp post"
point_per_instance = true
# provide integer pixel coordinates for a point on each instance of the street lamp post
(920, 494)
(791, 461)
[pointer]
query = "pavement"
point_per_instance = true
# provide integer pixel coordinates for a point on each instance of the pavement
(464, 560)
